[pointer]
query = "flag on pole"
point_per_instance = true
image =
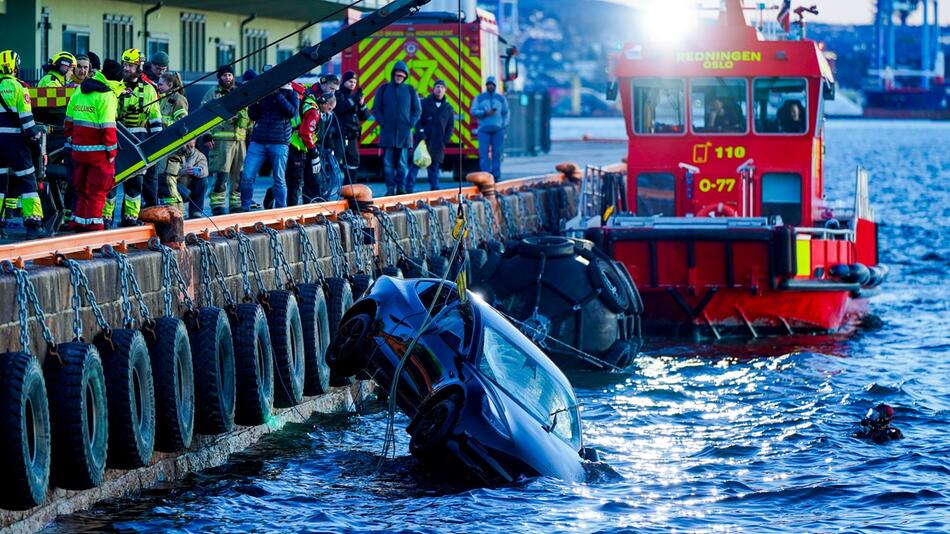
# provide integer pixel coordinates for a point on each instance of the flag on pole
(785, 15)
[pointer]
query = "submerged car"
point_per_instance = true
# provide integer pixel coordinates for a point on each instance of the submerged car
(477, 391)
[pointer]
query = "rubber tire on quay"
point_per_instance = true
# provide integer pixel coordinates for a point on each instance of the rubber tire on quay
(437, 265)
(347, 354)
(414, 267)
(626, 281)
(496, 253)
(340, 299)
(25, 428)
(433, 427)
(621, 354)
(392, 270)
(552, 246)
(316, 337)
(79, 416)
(476, 265)
(603, 276)
(174, 383)
(361, 284)
(212, 350)
(131, 396)
(253, 364)
(286, 337)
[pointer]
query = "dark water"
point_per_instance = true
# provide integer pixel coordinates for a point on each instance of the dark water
(734, 437)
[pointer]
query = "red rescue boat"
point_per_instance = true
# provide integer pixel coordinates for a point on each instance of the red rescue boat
(721, 215)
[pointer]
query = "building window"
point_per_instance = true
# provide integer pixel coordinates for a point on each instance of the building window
(154, 44)
(224, 54)
(76, 39)
(656, 194)
(719, 105)
(117, 35)
(283, 54)
(44, 27)
(255, 40)
(659, 106)
(192, 42)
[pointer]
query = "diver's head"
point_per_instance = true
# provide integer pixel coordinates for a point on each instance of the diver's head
(881, 415)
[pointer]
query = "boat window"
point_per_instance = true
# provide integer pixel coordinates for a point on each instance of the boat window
(527, 382)
(780, 105)
(719, 105)
(658, 106)
(656, 194)
(782, 195)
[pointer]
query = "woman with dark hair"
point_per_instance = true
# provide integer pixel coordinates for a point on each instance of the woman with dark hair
(351, 111)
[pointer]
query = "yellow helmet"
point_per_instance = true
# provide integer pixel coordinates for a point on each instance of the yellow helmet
(9, 62)
(63, 57)
(133, 56)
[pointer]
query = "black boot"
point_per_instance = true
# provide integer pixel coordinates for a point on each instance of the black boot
(129, 222)
(390, 191)
(218, 210)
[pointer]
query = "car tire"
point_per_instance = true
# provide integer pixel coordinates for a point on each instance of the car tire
(79, 416)
(25, 427)
(349, 351)
(131, 397)
(361, 284)
(432, 427)
(286, 336)
(253, 364)
(174, 382)
(316, 330)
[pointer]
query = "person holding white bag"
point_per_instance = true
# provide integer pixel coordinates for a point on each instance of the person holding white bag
(435, 128)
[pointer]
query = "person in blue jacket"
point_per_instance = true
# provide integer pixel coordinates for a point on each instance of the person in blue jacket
(491, 110)
(396, 107)
(270, 141)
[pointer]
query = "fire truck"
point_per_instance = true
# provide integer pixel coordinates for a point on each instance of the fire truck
(721, 216)
(434, 45)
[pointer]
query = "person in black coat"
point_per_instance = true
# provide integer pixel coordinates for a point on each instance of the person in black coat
(436, 127)
(351, 111)
(396, 108)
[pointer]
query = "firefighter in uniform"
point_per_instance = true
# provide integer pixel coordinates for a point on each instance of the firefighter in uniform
(60, 71)
(227, 150)
(139, 112)
(17, 130)
(90, 127)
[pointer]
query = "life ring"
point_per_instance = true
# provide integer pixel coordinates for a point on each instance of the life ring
(131, 397)
(717, 210)
(25, 427)
(173, 379)
(316, 336)
(286, 338)
(212, 350)
(253, 364)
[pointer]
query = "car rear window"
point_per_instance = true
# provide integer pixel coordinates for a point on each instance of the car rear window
(526, 381)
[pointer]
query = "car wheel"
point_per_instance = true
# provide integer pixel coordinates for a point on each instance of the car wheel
(433, 427)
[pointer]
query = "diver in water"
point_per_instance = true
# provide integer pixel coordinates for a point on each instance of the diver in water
(876, 425)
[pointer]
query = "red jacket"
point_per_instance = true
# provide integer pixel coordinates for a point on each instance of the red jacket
(90, 121)
(308, 127)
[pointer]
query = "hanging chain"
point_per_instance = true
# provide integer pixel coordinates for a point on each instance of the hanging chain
(206, 276)
(26, 296)
(308, 255)
(522, 212)
(128, 319)
(171, 269)
(278, 259)
(358, 237)
(389, 242)
(79, 282)
(492, 230)
(436, 231)
(341, 265)
(250, 257)
(136, 290)
(477, 233)
(511, 230)
(415, 233)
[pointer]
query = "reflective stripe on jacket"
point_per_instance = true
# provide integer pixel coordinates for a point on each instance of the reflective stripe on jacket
(16, 115)
(90, 120)
(234, 129)
(139, 110)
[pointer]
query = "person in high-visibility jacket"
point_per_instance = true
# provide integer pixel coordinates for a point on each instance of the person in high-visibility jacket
(60, 71)
(90, 127)
(226, 149)
(298, 160)
(17, 130)
(140, 113)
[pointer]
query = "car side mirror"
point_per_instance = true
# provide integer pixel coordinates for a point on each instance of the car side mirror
(613, 88)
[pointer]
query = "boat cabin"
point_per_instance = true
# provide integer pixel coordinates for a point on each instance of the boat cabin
(725, 124)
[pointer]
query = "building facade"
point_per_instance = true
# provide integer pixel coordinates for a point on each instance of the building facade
(198, 35)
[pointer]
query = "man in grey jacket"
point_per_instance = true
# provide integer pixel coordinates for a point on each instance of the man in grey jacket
(397, 109)
(491, 110)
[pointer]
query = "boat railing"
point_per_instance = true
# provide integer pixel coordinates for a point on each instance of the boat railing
(601, 188)
(830, 234)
